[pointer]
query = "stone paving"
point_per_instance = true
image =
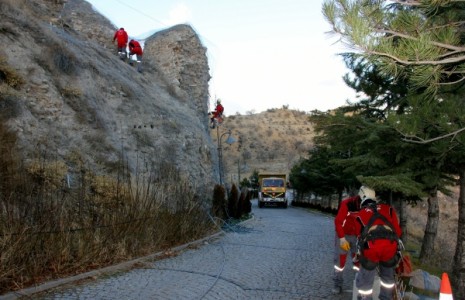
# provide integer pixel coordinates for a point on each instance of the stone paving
(278, 254)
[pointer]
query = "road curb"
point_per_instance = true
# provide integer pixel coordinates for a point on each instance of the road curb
(27, 292)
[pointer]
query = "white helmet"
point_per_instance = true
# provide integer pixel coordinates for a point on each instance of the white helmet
(366, 194)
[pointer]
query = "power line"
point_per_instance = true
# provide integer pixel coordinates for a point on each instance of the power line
(141, 12)
(160, 22)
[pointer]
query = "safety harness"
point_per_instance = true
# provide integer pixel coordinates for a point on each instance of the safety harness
(372, 232)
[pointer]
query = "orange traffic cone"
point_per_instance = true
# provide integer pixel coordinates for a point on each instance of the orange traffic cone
(445, 293)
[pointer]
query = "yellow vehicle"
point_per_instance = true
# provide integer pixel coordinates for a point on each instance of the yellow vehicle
(272, 190)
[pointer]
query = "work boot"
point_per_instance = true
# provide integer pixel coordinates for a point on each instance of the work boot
(336, 290)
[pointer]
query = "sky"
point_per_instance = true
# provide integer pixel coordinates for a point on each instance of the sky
(262, 54)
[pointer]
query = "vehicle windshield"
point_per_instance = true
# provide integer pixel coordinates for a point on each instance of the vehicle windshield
(273, 183)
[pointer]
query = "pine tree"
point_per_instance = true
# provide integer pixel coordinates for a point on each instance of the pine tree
(423, 43)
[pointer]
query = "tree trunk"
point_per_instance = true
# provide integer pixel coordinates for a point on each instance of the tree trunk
(400, 207)
(458, 270)
(431, 229)
(403, 219)
(339, 198)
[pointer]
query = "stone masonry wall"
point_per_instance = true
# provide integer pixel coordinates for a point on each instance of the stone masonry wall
(179, 54)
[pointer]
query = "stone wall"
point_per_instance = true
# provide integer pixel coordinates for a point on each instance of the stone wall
(178, 53)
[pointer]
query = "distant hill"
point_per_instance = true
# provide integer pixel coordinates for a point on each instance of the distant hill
(270, 141)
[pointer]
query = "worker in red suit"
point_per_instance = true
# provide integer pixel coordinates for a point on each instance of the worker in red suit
(378, 247)
(136, 49)
(346, 235)
(217, 114)
(121, 38)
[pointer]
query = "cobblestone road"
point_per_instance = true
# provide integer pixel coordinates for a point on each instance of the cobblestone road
(279, 254)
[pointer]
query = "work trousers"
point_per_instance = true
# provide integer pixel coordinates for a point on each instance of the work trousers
(365, 278)
(340, 258)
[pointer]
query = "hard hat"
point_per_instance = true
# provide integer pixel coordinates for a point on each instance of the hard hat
(366, 195)
(218, 101)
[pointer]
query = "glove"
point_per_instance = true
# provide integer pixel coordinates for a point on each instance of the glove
(344, 244)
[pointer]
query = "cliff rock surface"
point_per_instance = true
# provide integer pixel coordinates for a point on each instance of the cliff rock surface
(66, 94)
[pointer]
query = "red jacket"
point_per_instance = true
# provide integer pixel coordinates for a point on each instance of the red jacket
(135, 48)
(121, 37)
(379, 249)
(218, 111)
(346, 216)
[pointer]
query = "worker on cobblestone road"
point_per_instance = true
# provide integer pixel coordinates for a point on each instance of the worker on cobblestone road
(378, 247)
(346, 236)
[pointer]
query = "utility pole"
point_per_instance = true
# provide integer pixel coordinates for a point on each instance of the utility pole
(229, 141)
(239, 171)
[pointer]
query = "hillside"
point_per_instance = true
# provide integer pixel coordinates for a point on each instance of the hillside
(270, 141)
(68, 98)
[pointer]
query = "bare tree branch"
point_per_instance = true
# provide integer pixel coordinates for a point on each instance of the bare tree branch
(418, 140)
(441, 45)
(454, 60)
(407, 2)
(417, 2)
(452, 82)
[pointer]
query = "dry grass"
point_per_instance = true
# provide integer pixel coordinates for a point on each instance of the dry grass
(57, 59)
(9, 102)
(71, 92)
(51, 227)
(63, 59)
(9, 74)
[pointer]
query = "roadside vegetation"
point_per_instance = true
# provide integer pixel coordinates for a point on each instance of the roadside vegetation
(55, 223)
(59, 218)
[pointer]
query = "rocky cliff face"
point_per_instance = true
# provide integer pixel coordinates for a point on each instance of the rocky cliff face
(73, 99)
(179, 54)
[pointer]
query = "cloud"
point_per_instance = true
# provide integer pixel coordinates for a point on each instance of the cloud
(179, 14)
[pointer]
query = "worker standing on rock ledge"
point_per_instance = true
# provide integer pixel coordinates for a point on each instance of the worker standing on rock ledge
(346, 235)
(121, 37)
(217, 115)
(136, 49)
